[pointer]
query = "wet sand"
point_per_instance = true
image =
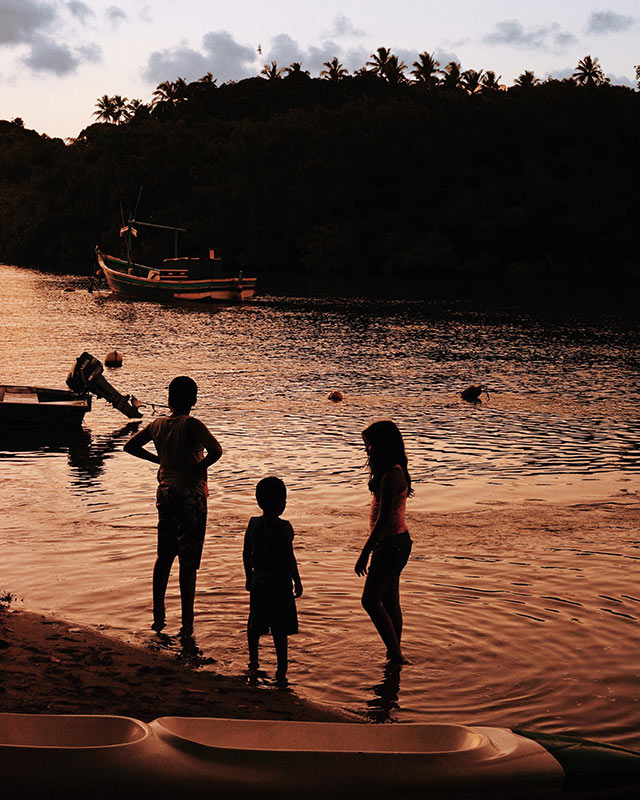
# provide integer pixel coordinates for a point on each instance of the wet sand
(50, 667)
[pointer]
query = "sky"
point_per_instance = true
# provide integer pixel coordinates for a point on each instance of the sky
(57, 57)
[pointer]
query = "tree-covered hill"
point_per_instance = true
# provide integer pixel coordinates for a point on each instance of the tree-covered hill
(353, 174)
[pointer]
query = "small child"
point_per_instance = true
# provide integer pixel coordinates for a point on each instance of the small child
(270, 566)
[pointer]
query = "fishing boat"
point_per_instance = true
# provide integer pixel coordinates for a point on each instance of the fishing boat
(36, 405)
(173, 757)
(177, 278)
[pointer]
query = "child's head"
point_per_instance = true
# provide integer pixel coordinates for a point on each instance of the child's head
(271, 494)
(385, 448)
(183, 393)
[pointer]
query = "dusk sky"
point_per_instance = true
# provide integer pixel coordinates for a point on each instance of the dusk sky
(58, 56)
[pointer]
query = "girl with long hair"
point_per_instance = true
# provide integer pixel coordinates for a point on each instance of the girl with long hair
(389, 543)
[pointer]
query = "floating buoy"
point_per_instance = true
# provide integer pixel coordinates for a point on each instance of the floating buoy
(335, 396)
(113, 359)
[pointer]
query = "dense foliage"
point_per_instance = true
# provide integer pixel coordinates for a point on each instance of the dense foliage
(343, 174)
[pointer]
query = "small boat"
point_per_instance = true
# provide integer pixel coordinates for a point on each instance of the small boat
(178, 278)
(257, 758)
(174, 757)
(66, 755)
(39, 407)
(35, 405)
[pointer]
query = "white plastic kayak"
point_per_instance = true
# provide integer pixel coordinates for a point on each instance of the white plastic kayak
(174, 757)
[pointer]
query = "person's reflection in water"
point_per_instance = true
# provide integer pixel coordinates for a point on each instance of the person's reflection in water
(381, 707)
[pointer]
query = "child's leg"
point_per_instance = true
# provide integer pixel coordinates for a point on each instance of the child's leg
(391, 602)
(374, 589)
(253, 640)
(280, 642)
(161, 572)
(188, 577)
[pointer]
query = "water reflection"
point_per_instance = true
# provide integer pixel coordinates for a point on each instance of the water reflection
(386, 693)
(86, 454)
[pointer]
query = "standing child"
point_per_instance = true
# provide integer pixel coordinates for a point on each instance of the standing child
(270, 567)
(181, 499)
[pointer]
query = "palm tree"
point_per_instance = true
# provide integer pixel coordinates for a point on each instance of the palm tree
(426, 70)
(526, 80)
(334, 70)
(490, 83)
(180, 90)
(163, 93)
(451, 75)
(379, 60)
(104, 109)
(393, 71)
(119, 108)
(471, 80)
(589, 72)
(135, 108)
(271, 71)
(296, 69)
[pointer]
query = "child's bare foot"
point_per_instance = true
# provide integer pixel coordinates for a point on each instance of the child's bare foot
(281, 677)
(397, 658)
(254, 666)
(158, 625)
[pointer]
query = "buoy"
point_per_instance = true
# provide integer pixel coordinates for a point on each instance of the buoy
(335, 396)
(113, 359)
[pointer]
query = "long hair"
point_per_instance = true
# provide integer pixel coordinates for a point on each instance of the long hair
(385, 450)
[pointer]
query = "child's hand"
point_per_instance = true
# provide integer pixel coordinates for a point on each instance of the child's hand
(361, 564)
(297, 589)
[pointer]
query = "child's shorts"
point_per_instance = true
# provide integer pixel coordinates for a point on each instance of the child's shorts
(182, 522)
(272, 606)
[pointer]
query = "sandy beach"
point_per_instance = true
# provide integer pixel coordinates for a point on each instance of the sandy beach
(50, 667)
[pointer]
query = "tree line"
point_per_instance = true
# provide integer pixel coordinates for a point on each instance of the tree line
(445, 177)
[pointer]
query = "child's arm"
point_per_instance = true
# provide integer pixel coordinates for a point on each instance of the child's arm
(135, 446)
(293, 566)
(390, 486)
(203, 435)
(246, 559)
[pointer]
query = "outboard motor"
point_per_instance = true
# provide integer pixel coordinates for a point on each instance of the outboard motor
(86, 376)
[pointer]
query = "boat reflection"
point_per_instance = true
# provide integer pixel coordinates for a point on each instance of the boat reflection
(86, 453)
(385, 700)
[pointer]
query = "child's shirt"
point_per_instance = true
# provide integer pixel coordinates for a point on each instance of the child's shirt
(179, 453)
(268, 547)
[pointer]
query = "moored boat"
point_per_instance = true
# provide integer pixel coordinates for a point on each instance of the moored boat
(177, 278)
(36, 405)
(53, 409)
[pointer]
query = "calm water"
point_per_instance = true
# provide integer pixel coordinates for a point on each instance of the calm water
(521, 599)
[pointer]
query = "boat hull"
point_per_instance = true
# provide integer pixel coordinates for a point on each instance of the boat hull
(175, 757)
(37, 406)
(145, 283)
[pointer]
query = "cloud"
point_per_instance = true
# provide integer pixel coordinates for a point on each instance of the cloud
(285, 50)
(24, 21)
(511, 32)
(220, 55)
(49, 55)
(343, 27)
(80, 10)
(602, 22)
(622, 80)
(115, 15)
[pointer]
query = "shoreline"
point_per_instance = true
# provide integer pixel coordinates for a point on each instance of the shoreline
(48, 666)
